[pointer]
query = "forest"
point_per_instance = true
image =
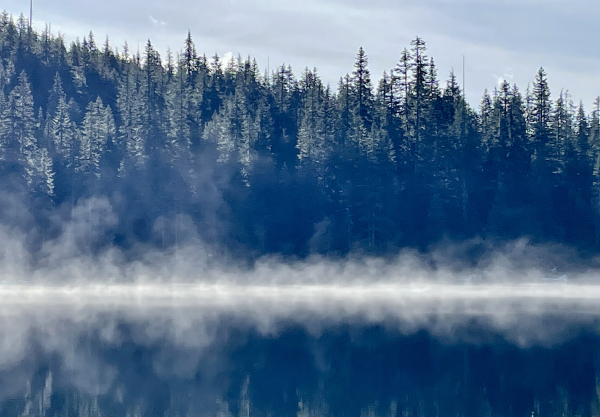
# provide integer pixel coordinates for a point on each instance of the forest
(144, 154)
(254, 162)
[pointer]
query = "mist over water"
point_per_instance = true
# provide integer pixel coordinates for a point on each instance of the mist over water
(331, 349)
(194, 331)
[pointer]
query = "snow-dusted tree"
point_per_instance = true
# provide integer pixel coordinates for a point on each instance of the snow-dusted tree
(402, 87)
(61, 133)
(313, 137)
(132, 131)
(21, 114)
(6, 73)
(21, 142)
(234, 131)
(56, 93)
(247, 139)
(177, 142)
(264, 125)
(219, 132)
(153, 87)
(44, 174)
(4, 124)
(97, 128)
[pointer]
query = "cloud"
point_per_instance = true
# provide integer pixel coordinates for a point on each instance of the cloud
(226, 58)
(507, 76)
(156, 21)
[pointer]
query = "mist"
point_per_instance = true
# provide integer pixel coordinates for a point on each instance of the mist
(67, 308)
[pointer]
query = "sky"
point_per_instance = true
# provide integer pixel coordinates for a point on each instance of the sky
(500, 39)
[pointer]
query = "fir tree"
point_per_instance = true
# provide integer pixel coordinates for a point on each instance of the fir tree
(97, 129)
(363, 88)
(21, 143)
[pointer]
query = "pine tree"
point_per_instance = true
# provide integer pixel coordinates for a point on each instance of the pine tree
(56, 93)
(21, 143)
(582, 173)
(312, 132)
(344, 105)
(6, 74)
(518, 153)
(560, 144)
(60, 130)
(402, 85)
(45, 173)
(540, 116)
(4, 125)
(219, 132)
(189, 59)
(485, 118)
(582, 128)
(154, 100)
(132, 130)
(177, 105)
(97, 129)
(419, 90)
(363, 88)
(265, 125)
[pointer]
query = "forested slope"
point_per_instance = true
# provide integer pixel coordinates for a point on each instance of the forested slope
(255, 163)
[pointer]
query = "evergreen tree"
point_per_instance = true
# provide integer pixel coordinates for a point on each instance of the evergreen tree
(219, 132)
(540, 116)
(485, 118)
(363, 88)
(312, 140)
(97, 129)
(21, 144)
(132, 130)
(419, 113)
(580, 168)
(177, 105)
(402, 165)
(189, 59)
(44, 173)
(154, 89)
(60, 130)
(402, 87)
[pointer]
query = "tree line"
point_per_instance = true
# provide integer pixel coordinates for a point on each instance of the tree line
(264, 162)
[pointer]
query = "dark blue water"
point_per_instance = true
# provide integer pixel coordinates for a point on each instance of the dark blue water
(230, 366)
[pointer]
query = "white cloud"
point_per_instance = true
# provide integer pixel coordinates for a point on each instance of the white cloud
(507, 76)
(156, 21)
(226, 58)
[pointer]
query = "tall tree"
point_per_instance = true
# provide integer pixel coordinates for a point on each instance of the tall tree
(540, 116)
(97, 129)
(361, 77)
(22, 150)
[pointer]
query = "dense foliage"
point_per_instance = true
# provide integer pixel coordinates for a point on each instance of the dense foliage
(273, 163)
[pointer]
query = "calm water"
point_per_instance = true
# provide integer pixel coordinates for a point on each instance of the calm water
(388, 349)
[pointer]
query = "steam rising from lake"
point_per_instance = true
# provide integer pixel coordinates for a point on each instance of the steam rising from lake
(372, 299)
(66, 304)
(182, 317)
(508, 307)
